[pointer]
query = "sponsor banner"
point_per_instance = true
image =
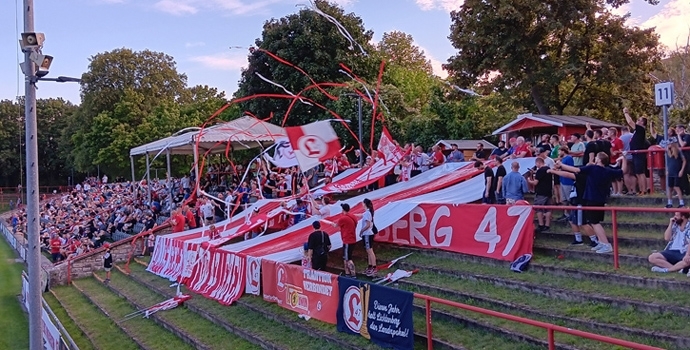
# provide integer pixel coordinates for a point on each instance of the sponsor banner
(51, 335)
(283, 155)
(313, 143)
(499, 232)
(378, 313)
(305, 291)
(391, 154)
(219, 275)
(253, 285)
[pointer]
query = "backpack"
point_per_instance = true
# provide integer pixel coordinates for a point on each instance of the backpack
(321, 250)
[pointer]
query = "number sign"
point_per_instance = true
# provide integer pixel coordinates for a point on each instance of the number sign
(663, 94)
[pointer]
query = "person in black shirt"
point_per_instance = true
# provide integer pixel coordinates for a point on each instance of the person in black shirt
(591, 148)
(500, 174)
(603, 145)
(480, 154)
(577, 199)
(684, 141)
(489, 195)
(542, 180)
(638, 142)
(318, 246)
(107, 262)
(499, 152)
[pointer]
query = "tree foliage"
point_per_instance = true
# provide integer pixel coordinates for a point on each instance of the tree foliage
(309, 41)
(128, 99)
(400, 51)
(554, 56)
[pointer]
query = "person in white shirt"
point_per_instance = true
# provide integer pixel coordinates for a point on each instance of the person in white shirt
(105, 179)
(207, 212)
(323, 209)
(367, 233)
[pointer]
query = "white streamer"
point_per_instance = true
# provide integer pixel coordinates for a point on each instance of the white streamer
(282, 87)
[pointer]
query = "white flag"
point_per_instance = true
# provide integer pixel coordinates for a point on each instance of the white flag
(283, 155)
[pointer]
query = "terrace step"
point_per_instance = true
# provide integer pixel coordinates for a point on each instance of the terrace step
(315, 337)
(194, 330)
(146, 333)
(652, 337)
(80, 338)
(671, 281)
(468, 322)
(633, 242)
(101, 331)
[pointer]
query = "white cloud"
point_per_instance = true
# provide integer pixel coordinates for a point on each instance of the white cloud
(624, 10)
(446, 5)
(235, 7)
(175, 7)
(436, 65)
(671, 23)
(194, 44)
(225, 62)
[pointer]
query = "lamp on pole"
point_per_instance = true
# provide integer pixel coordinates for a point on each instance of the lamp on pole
(359, 118)
(35, 67)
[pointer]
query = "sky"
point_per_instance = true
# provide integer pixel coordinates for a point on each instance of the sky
(198, 33)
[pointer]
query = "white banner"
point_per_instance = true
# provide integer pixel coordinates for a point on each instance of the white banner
(51, 335)
(283, 155)
(253, 285)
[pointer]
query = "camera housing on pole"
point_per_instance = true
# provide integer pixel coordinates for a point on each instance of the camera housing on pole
(31, 41)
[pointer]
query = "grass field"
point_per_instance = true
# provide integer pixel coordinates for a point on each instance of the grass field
(13, 320)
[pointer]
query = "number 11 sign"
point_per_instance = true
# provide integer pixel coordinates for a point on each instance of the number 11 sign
(663, 93)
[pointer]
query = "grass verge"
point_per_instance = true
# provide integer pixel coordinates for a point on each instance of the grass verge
(102, 331)
(13, 320)
(146, 331)
(199, 328)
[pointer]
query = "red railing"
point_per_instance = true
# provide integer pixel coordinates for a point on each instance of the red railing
(614, 218)
(551, 329)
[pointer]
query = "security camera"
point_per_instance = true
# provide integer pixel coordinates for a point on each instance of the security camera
(31, 41)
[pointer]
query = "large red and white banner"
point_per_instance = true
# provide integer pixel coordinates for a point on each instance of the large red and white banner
(391, 154)
(313, 143)
(499, 232)
(219, 275)
(305, 291)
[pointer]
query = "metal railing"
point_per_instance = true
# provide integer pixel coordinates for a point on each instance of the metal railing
(551, 329)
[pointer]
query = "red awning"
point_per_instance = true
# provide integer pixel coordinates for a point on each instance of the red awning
(527, 123)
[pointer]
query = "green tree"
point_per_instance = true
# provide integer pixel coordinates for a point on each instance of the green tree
(11, 117)
(314, 44)
(121, 89)
(399, 49)
(554, 56)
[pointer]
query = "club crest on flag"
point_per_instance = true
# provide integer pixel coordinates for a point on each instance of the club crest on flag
(313, 143)
(352, 312)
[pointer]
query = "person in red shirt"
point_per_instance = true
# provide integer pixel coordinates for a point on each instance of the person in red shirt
(177, 221)
(347, 224)
(521, 149)
(617, 148)
(191, 221)
(55, 246)
(213, 232)
(343, 163)
(438, 158)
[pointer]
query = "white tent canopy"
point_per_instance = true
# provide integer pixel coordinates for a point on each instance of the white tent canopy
(243, 133)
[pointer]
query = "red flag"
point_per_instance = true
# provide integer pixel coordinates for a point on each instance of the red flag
(313, 143)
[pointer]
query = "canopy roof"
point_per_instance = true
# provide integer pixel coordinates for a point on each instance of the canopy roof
(529, 120)
(242, 133)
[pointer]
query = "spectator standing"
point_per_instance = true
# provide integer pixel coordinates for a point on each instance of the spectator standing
(617, 148)
(684, 142)
(514, 185)
(347, 225)
(522, 149)
(637, 143)
(455, 155)
(675, 257)
(577, 150)
(500, 175)
(367, 233)
(599, 177)
(438, 158)
(489, 195)
(542, 180)
(177, 220)
(318, 246)
(206, 210)
(675, 165)
(55, 246)
(591, 148)
(107, 262)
